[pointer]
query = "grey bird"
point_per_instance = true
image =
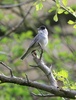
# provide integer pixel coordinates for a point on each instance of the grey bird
(39, 42)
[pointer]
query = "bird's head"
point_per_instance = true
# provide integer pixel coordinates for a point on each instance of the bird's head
(42, 29)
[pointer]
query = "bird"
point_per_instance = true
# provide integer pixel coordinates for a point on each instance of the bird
(39, 42)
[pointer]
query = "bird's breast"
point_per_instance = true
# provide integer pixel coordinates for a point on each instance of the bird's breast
(44, 41)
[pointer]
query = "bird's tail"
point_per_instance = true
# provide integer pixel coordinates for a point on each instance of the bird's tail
(23, 56)
(27, 52)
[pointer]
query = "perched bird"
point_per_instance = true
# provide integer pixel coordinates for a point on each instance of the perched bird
(39, 42)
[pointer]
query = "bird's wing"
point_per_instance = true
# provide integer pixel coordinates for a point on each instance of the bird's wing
(28, 51)
(31, 47)
(35, 40)
(37, 37)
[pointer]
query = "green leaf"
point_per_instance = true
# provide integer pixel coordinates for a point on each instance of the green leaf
(39, 6)
(71, 22)
(64, 2)
(60, 11)
(65, 12)
(58, 3)
(52, 9)
(74, 26)
(63, 73)
(55, 18)
(70, 9)
(73, 86)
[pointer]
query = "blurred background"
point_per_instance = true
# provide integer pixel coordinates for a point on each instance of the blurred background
(19, 20)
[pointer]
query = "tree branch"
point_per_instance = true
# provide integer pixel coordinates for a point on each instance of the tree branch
(66, 9)
(14, 28)
(7, 68)
(8, 6)
(26, 82)
(51, 89)
(46, 70)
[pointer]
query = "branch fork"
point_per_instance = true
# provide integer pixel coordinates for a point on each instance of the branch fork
(48, 72)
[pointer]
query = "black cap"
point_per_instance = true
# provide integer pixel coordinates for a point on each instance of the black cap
(42, 27)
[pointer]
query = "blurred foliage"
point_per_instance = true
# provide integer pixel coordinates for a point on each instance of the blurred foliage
(8, 1)
(58, 53)
(39, 5)
(11, 49)
(14, 92)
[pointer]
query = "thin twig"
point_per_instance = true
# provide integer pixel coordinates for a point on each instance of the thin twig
(14, 28)
(66, 9)
(46, 70)
(34, 84)
(27, 78)
(7, 68)
(34, 66)
(8, 6)
(43, 95)
(21, 12)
